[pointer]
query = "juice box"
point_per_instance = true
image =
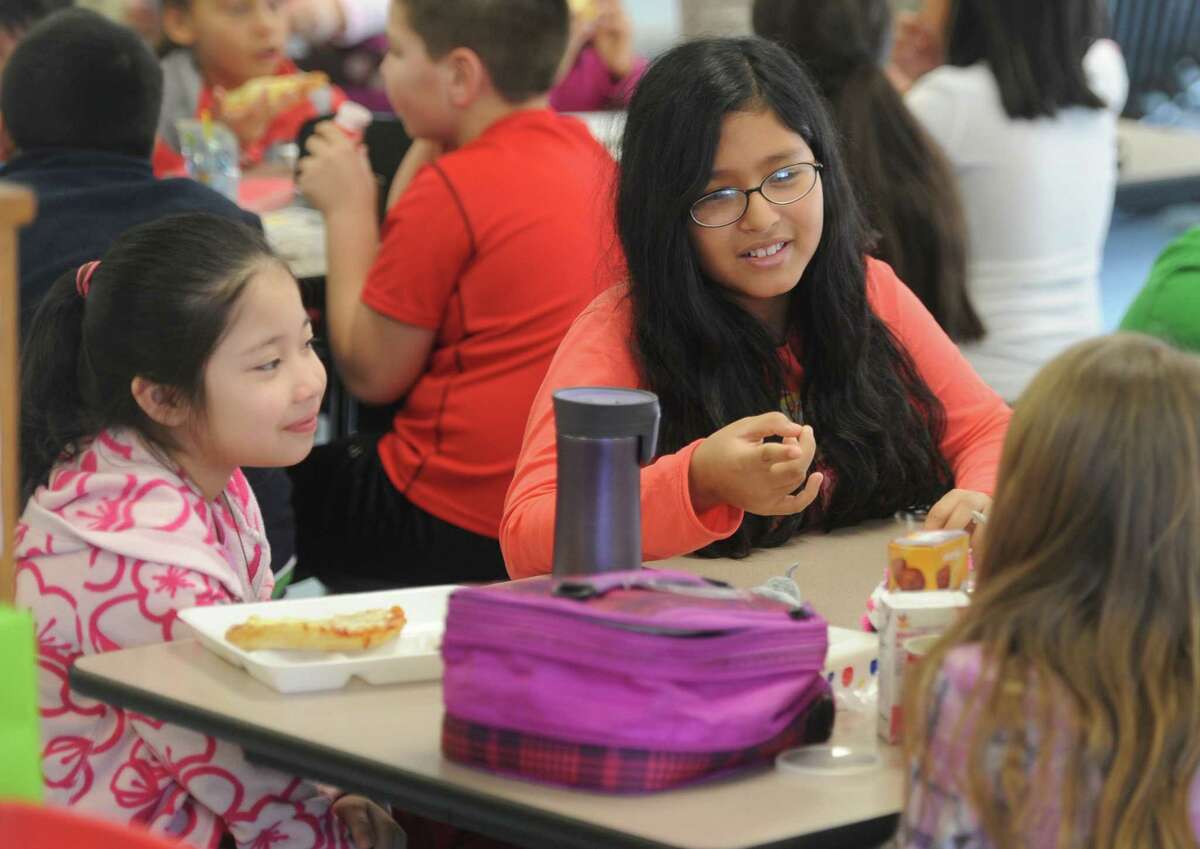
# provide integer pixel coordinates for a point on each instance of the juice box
(906, 615)
(928, 560)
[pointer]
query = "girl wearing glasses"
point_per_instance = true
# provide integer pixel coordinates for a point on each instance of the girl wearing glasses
(802, 384)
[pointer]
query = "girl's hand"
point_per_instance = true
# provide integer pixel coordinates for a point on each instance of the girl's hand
(582, 28)
(336, 174)
(953, 510)
(251, 121)
(613, 37)
(369, 825)
(735, 466)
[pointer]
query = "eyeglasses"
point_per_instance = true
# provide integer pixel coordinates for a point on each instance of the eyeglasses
(781, 187)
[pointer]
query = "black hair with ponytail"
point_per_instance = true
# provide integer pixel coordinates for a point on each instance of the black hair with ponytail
(156, 307)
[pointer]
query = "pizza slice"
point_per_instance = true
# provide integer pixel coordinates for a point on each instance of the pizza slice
(276, 88)
(364, 629)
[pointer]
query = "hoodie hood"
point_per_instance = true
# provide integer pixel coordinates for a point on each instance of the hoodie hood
(117, 496)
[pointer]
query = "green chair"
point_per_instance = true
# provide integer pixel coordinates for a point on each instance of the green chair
(20, 736)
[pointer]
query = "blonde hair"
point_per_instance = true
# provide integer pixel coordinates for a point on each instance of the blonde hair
(1087, 612)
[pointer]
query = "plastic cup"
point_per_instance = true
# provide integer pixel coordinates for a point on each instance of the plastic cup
(915, 648)
(828, 760)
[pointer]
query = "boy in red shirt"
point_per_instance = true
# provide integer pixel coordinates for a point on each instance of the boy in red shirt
(499, 232)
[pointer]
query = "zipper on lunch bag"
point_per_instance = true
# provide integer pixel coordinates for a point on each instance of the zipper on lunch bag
(528, 626)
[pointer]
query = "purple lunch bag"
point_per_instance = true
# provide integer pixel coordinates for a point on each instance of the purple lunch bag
(629, 682)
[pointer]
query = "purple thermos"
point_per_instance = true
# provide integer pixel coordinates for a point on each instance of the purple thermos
(605, 436)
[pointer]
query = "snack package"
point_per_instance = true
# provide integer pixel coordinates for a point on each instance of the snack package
(928, 560)
(275, 89)
(903, 616)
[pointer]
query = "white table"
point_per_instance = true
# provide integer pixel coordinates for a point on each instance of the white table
(385, 740)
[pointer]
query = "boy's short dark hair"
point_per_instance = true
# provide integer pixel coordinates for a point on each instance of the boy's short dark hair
(78, 80)
(16, 16)
(520, 42)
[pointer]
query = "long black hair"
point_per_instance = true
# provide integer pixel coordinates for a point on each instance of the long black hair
(156, 307)
(1035, 49)
(907, 188)
(878, 425)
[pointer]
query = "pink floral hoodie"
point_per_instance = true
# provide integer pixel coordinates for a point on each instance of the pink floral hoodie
(107, 555)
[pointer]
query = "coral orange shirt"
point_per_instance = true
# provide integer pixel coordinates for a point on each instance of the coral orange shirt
(497, 246)
(596, 352)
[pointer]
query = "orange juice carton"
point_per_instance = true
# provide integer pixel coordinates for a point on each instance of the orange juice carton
(928, 560)
(906, 616)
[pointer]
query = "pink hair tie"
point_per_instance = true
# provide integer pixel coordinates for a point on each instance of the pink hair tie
(83, 277)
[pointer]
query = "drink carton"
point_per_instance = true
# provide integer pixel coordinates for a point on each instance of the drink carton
(905, 615)
(928, 560)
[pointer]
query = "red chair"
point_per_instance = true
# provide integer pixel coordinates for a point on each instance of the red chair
(39, 827)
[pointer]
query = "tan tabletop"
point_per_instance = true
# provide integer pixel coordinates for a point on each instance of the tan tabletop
(836, 572)
(1157, 153)
(1159, 165)
(384, 740)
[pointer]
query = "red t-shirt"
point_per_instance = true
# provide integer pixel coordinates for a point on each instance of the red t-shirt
(496, 246)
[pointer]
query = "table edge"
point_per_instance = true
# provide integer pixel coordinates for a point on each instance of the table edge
(425, 796)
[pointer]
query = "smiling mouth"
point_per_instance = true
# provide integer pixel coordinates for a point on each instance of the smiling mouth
(306, 425)
(769, 250)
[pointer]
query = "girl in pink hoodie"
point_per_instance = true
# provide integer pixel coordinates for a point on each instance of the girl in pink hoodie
(147, 380)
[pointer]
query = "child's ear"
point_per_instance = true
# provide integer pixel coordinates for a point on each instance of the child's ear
(161, 403)
(469, 77)
(177, 25)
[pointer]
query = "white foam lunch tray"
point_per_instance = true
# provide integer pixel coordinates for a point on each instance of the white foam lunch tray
(413, 656)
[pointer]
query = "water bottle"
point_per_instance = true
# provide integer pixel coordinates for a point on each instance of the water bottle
(605, 436)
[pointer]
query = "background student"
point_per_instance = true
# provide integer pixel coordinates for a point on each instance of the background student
(79, 132)
(499, 233)
(1060, 709)
(1025, 108)
(599, 66)
(802, 384)
(215, 46)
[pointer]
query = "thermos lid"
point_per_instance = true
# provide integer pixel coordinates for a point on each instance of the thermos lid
(609, 412)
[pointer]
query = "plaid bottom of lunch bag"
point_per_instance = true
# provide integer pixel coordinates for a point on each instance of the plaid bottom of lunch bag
(618, 770)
